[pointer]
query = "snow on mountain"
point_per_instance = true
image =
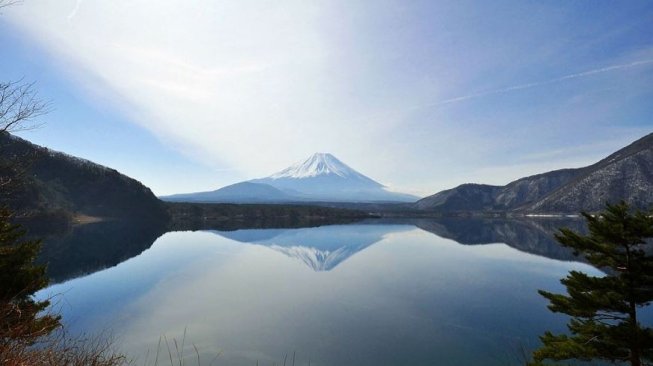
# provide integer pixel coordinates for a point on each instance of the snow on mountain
(322, 177)
(321, 164)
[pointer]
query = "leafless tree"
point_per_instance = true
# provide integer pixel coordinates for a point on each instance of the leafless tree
(19, 106)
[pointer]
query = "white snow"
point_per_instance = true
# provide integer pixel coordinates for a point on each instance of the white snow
(322, 177)
(317, 164)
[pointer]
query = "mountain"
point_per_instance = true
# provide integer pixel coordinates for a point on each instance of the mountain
(54, 184)
(625, 175)
(466, 197)
(483, 197)
(321, 177)
(244, 192)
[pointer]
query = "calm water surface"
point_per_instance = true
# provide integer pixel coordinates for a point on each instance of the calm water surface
(359, 294)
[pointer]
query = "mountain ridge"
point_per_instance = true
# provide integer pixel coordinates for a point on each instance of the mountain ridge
(55, 183)
(625, 174)
(320, 178)
(243, 192)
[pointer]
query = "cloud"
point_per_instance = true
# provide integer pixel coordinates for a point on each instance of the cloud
(541, 83)
(253, 85)
(237, 86)
(72, 14)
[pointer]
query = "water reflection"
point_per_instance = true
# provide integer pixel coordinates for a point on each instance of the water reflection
(368, 294)
(320, 248)
(88, 248)
(72, 251)
(530, 235)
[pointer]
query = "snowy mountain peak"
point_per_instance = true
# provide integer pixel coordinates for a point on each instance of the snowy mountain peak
(322, 177)
(316, 165)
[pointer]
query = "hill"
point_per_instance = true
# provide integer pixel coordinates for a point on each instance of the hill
(625, 175)
(41, 182)
(244, 192)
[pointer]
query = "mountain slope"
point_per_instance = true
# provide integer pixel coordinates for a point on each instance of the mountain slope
(625, 175)
(320, 164)
(320, 178)
(466, 197)
(482, 197)
(53, 182)
(244, 192)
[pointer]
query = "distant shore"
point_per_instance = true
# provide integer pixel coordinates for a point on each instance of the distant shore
(81, 219)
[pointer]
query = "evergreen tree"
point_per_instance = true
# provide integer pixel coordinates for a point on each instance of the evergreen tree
(20, 278)
(603, 310)
(21, 317)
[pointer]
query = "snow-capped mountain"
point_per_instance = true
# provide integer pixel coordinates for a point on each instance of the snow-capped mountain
(322, 177)
(321, 164)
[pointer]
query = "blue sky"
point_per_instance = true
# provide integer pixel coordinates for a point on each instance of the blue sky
(421, 95)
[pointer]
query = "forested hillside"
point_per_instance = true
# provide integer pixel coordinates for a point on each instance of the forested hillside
(40, 182)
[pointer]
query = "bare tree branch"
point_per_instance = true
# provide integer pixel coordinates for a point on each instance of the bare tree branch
(20, 105)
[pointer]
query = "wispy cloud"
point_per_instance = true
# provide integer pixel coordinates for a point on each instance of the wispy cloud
(256, 85)
(73, 13)
(541, 83)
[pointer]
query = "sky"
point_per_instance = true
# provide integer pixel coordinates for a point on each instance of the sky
(421, 96)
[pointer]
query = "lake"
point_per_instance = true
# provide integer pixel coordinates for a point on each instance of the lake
(409, 292)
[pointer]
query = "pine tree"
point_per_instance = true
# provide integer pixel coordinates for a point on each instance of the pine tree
(603, 310)
(20, 278)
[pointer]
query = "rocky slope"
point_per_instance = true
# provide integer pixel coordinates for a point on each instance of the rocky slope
(487, 198)
(625, 175)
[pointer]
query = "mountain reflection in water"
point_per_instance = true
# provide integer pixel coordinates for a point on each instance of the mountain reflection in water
(320, 248)
(535, 236)
(88, 248)
(85, 249)
(377, 292)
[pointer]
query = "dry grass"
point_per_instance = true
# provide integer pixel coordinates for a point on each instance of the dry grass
(59, 350)
(26, 339)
